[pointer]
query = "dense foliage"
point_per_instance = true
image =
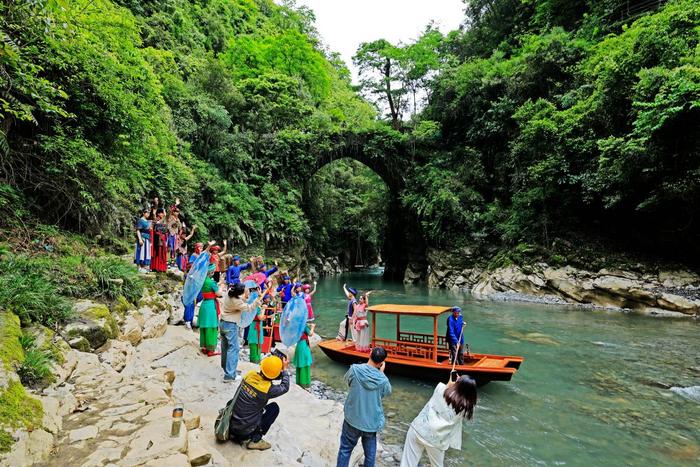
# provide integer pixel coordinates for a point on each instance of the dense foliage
(537, 120)
(106, 104)
(556, 117)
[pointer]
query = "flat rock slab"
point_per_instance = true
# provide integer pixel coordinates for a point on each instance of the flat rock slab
(81, 434)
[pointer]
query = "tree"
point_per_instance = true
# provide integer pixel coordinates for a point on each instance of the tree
(379, 63)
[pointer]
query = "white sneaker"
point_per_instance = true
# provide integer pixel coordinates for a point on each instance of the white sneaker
(188, 325)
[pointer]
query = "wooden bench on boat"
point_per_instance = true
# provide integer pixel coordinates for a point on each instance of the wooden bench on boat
(422, 355)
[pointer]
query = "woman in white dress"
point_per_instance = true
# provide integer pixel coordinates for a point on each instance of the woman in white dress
(439, 425)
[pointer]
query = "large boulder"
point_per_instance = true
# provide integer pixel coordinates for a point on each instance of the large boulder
(677, 303)
(93, 322)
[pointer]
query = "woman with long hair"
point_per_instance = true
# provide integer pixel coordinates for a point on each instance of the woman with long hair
(439, 425)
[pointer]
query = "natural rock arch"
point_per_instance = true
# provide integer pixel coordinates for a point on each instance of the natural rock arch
(404, 246)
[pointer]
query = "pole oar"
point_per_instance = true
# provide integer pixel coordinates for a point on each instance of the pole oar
(459, 341)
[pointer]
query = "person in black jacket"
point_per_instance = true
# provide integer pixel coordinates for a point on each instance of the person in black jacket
(252, 416)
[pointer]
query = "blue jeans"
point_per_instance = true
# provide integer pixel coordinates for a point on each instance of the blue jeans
(348, 440)
(229, 349)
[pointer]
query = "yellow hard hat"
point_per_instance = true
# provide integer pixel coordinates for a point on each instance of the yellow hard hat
(271, 367)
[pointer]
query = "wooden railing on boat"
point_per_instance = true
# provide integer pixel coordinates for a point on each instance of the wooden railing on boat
(406, 349)
(421, 338)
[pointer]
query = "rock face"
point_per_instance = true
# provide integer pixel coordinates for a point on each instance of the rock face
(649, 294)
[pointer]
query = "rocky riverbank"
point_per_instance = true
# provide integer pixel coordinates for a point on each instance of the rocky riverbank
(113, 397)
(660, 293)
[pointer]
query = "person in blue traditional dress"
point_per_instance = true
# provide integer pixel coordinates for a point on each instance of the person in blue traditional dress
(209, 312)
(302, 357)
(233, 273)
(285, 290)
(142, 258)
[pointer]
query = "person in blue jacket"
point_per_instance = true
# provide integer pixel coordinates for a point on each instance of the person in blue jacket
(233, 273)
(286, 289)
(455, 336)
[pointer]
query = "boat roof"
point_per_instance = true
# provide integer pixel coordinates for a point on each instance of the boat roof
(419, 310)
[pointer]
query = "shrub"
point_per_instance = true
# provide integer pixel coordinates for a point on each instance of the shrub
(30, 296)
(112, 277)
(35, 370)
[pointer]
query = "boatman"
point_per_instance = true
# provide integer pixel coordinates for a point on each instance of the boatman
(455, 336)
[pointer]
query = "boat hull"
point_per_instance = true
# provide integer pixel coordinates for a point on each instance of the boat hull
(481, 367)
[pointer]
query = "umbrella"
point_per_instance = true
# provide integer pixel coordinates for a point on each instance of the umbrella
(258, 277)
(247, 316)
(195, 278)
(293, 321)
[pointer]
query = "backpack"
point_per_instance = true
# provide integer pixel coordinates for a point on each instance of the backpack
(223, 420)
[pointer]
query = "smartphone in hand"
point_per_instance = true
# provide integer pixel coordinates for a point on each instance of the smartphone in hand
(453, 376)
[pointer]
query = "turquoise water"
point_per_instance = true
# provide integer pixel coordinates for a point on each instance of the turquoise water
(594, 388)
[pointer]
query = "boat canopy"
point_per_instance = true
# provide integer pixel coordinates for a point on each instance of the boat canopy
(416, 310)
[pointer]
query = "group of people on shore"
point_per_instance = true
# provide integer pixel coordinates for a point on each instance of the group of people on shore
(161, 243)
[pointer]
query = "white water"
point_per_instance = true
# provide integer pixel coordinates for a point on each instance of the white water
(692, 392)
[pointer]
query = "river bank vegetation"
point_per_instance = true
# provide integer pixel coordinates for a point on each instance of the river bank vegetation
(537, 120)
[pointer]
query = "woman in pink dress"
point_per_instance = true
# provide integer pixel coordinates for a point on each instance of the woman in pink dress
(308, 293)
(361, 324)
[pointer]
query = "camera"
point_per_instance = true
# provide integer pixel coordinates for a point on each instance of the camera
(280, 354)
(453, 375)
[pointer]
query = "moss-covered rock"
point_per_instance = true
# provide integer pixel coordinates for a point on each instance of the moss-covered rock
(48, 342)
(122, 306)
(94, 322)
(11, 353)
(17, 410)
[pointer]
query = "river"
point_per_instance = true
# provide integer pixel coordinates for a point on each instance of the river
(596, 388)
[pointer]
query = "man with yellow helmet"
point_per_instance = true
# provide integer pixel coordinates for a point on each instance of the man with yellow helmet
(252, 416)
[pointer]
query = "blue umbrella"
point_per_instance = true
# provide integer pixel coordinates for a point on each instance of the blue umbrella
(293, 321)
(195, 278)
(247, 317)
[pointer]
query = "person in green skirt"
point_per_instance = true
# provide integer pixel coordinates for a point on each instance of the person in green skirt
(255, 333)
(302, 357)
(209, 315)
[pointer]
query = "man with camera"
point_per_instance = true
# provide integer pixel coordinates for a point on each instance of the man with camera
(364, 414)
(252, 416)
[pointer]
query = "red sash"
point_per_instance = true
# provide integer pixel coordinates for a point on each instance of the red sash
(212, 296)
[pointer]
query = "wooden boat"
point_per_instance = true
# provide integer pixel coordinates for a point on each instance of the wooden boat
(423, 356)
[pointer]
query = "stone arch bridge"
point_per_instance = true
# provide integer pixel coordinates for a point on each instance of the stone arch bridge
(404, 249)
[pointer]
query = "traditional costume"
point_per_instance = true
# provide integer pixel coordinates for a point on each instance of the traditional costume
(159, 259)
(174, 226)
(189, 308)
(215, 261)
(302, 359)
(256, 337)
(233, 273)
(209, 316)
(361, 326)
(142, 257)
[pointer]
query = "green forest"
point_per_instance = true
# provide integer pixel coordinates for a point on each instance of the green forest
(537, 120)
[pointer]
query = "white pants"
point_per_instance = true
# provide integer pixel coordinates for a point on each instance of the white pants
(413, 450)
